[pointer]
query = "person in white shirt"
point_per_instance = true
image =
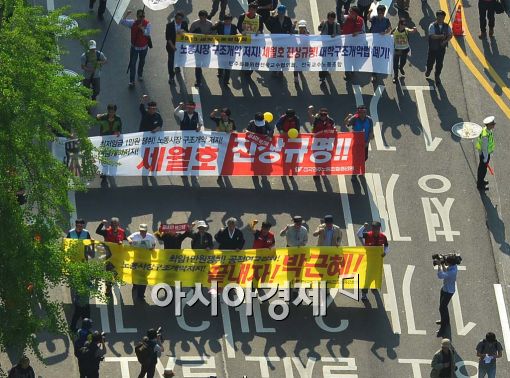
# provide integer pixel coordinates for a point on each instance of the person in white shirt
(141, 239)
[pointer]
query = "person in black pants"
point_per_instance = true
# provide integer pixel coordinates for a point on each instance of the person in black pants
(215, 6)
(486, 11)
(439, 36)
(100, 10)
(81, 309)
(225, 27)
(446, 271)
(177, 26)
(346, 4)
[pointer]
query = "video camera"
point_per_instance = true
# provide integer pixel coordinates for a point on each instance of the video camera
(450, 258)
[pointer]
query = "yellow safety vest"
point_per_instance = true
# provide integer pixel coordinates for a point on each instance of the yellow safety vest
(490, 139)
(251, 25)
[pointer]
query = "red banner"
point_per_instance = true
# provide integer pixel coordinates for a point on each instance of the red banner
(308, 155)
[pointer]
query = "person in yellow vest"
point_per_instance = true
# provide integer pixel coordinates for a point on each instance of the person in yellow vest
(250, 23)
(485, 146)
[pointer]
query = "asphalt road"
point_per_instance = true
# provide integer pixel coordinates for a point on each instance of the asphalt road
(420, 182)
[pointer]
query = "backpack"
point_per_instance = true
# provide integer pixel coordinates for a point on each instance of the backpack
(143, 352)
(98, 57)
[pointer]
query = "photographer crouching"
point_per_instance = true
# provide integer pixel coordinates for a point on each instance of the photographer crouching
(446, 271)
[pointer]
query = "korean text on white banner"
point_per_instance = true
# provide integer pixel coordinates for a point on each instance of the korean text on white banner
(158, 4)
(209, 153)
(287, 52)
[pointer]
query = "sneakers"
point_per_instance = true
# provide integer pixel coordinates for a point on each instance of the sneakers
(171, 81)
(427, 73)
(394, 81)
(131, 84)
(364, 297)
(491, 33)
(402, 72)
(198, 84)
(177, 69)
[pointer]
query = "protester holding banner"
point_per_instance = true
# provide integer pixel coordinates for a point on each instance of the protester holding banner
(328, 233)
(140, 43)
(114, 233)
(303, 30)
(151, 119)
(353, 25)
(288, 121)
(78, 232)
(109, 122)
(141, 239)
(361, 122)
(374, 237)
(296, 234)
(260, 126)
(250, 23)
(263, 238)
(171, 239)
(230, 237)
(329, 27)
(224, 123)
(320, 121)
(200, 26)
(201, 239)
(177, 26)
(225, 27)
(280, 23)
(189, 120)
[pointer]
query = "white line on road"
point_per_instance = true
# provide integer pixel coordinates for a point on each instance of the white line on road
(314, 10)
(124, 364)
(392, 213)
(408, 303)
(462, 330)
(503, 317)
(390, 300)
(344, 198)
(103, 312)
(377, 202)
(227, 329)
(117, 313)
(430, 142)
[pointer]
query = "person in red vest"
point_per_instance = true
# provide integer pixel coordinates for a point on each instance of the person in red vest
(263, 238)
(353, 24)
(140, 43)
(320, 121)
(372, 238)
(288, 121)
(112, 234)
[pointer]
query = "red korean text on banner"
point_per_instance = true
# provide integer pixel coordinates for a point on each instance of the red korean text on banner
(180, 227)
(309, 155)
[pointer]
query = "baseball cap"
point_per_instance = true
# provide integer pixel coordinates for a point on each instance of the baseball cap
(142, 227)
(445, 342)
(328, 219)
(281, 8)
(297, 218)
(92, 44)
(201, 223)
(259, 120)
(301, 24)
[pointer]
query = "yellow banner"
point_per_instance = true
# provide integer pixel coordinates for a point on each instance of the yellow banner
(339, 267)
(214, 39)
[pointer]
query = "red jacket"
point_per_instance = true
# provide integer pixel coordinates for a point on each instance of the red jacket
(319, 125)
(262, 241)
(138, 39)
(372, 240)
(352, 25)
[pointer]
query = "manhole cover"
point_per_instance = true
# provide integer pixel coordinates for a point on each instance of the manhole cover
(467, 130)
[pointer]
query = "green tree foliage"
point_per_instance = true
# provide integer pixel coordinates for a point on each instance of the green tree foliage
(37, 103)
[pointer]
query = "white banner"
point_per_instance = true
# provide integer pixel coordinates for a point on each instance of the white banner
(287, 52)
(158, 4)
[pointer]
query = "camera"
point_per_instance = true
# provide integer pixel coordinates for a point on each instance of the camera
(451, 258)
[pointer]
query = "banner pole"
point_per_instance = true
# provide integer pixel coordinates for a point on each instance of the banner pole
(109, 26)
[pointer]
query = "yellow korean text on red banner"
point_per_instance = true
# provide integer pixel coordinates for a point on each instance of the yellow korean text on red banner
(339, 267)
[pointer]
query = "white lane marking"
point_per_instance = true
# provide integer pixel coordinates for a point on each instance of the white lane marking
(430, 142)
(503, 317)
(408, 303)
(117, 313)
(314, 10)
(227, 329)
(263, 363)
(124, 364)
(379, 142)
(50, 5)
(390, 300)
(392, 213)
(181, 321)
(462, 330)
(172, 361)
(243, 317)
(103, 312)
(344, 197)
(377, 202)
(415, 365)
(257, 316)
